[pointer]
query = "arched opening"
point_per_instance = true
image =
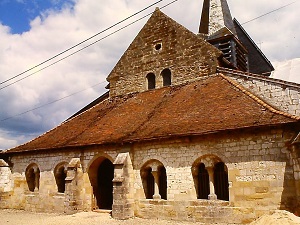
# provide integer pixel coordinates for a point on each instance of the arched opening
(32, 175)
(148, 183)
(101, 174)
(162, 182)
(167, 77)
(151, 81)
(203, 182)
(221, 181)
(60, 174)
(154, 174)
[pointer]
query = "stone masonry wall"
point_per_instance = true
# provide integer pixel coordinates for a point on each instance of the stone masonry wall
(280, 94)
(47, 198)
(161, 44)
(260, 171)
(5, 176)
(259, 168)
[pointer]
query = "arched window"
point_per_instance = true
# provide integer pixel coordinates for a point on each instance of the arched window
(148, 183)
(154, 174)
(210, 178)
(203, 182)
(162, 182)
(32, 175)
(60, 174)
(221, 181)
(167, 78)
(151, 81)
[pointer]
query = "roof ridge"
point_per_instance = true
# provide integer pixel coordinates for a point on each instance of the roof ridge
(258, 77)
(257, 99)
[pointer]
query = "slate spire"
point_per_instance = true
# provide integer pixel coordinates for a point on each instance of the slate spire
(216, 18)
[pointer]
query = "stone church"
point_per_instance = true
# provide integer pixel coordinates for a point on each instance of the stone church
(192, 128)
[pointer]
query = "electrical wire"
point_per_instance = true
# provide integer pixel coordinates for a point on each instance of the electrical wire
(269, 12)
(79, 50)
(59, 54)
(54, 101)
(103, 39)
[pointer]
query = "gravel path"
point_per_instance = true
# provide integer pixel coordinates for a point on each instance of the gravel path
(14, 217)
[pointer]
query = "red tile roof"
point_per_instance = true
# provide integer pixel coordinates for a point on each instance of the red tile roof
(209, 105)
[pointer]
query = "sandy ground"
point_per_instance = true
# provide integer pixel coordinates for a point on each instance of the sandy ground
(14, 217)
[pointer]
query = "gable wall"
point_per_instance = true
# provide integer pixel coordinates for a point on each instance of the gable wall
(280, 95)
(185, 54)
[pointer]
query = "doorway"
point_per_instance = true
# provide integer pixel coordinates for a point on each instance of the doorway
(101, 174)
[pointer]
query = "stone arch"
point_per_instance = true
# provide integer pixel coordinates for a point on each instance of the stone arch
(166, 77)
(32, 174)
(101, 174)
(60, 174)
(151, 81)
(221, 181)
(210, 178)
(154, 179)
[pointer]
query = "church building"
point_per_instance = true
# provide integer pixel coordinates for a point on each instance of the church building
(192, 128)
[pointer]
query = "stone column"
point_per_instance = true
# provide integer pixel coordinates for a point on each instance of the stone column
(73, 187)
(36, 179)
(156, 183)
(212, 195)
(123, 203)
(5, 174)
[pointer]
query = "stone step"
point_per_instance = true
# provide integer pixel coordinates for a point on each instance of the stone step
(108, 211)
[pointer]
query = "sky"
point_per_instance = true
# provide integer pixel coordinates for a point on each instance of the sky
(32, 31)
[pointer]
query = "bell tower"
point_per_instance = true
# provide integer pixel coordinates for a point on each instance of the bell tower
(216, 25)
(239, 50)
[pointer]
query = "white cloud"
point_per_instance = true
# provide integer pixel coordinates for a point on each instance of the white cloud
(55, 31)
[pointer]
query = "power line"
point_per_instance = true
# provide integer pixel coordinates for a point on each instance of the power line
(49, 103)
(52, 102)
(122, 28)
(270, 12)
(57, 100)
(59, 54)
(116, 31)
(105, 38)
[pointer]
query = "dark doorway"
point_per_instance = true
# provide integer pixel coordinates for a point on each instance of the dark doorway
(104, 189)
(221, 181)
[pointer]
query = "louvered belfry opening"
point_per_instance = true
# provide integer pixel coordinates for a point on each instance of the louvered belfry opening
(203, 182)
(221, 181)
(233, 51)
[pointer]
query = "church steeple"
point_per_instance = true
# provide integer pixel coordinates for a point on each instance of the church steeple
(216, 18)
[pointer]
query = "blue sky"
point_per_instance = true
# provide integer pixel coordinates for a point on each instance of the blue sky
(17, 14)
(32, 31)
